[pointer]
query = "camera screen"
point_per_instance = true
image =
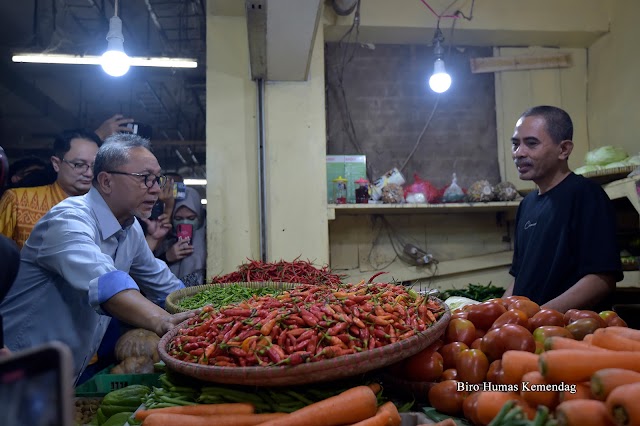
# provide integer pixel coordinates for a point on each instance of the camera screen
(30, 396)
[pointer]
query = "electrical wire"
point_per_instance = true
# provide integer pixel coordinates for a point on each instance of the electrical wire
(457, 14)
(424, 129)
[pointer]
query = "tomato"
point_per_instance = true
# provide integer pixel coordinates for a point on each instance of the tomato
(542, 332)
(480, 333)
(470, 408)
(508, 337)
(446, 398)
(425, 366)
(546, 317)
(583, 326)
(449, 374)
(612, 319)
(575, 314)
(459, 313)
(500, 301)
(510, 299)
(476, 343)
(494, 374)
(450, 351)
(484, 314)
(460, 330)
(527, 306)
(472, 366)
(513, 316)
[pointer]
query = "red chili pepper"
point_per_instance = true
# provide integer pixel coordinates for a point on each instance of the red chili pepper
(338, 328)
(308, 318)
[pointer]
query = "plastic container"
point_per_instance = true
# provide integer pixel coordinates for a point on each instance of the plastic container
(362, 191)
(103, 382)
(340, 190)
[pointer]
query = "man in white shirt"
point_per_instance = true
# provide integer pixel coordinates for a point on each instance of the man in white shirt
(79, 264)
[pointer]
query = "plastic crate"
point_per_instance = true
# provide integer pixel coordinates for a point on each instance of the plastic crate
(103, 382)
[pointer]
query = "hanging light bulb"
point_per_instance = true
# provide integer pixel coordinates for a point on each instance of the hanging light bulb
(440, 80)
(114, 61)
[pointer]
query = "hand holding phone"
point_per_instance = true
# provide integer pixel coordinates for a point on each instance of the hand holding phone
(184, 232)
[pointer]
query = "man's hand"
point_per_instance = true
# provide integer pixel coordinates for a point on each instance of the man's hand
(168, 322)
(115, 124)
(158, 229)
(167, 192)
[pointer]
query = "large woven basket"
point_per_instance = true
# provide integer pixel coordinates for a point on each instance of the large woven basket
(320, 371)
(174, 298)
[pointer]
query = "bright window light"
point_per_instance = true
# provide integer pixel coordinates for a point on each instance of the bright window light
(195, 182)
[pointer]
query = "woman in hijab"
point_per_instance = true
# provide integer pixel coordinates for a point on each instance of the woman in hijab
(185, 248)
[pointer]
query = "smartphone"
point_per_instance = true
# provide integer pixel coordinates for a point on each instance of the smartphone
(157, 210)
(179, 191)
(36, 387)
(184, 232)
(141, 129)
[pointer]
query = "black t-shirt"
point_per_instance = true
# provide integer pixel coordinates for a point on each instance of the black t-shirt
(561, 236)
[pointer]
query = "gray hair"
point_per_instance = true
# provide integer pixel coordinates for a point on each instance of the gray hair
(115, 151)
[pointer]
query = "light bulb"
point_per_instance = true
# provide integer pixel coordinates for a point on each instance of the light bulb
(439, 81)
(114, 61)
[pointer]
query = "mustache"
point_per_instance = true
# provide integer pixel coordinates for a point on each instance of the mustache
(522, 163)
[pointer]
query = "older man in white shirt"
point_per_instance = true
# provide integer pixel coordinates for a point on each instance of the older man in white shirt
(87, 260)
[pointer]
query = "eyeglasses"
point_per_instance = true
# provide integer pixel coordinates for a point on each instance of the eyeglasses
(149, 178)
(78, 167)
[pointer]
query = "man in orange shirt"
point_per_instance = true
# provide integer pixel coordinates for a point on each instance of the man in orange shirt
(74, 152)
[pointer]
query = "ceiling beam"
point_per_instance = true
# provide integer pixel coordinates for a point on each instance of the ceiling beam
(36, 97)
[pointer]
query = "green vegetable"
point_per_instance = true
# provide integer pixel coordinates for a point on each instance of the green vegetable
(476, 292)
(130, 396)
(224, 295)
(586, 169)
(100, 416)
(118, 419)
(605, 155)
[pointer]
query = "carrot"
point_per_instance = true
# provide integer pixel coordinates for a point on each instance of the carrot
(171, 419)
(588, 338)
(534, 393)
(490, 403)
(605, 380)
(629, 333)
(622, 404)
(516, 364)
(616, 342)
(567, 365)
(580, 391)
(559, 342)
(375, 387)
(387, 415)
(200, 410)
(582, 412)
(351, 406)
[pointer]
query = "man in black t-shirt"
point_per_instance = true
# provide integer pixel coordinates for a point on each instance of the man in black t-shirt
(565, 252)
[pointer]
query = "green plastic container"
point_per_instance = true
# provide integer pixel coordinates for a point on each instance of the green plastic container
(103, 382)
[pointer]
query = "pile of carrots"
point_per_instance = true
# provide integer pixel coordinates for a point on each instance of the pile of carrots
(601, 375)
(357, 406)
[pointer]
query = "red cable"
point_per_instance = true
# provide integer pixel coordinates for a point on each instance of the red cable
(434, 12)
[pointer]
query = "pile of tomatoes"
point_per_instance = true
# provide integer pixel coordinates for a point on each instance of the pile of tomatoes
(478, 335)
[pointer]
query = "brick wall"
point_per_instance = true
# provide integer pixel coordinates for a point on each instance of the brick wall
(389, 101)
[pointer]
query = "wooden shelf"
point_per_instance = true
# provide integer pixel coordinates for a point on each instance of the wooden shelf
(419, 208)
(624, 188)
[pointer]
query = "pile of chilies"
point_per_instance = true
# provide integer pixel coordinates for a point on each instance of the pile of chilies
(297, 271)
(305, 324)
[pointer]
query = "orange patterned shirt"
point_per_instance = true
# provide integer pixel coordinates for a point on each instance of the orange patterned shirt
(21, 208)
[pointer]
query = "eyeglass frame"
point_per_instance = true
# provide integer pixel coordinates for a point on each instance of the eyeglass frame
(145, 176)
(77, 166)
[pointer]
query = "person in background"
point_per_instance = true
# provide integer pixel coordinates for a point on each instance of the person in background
(565, 251)
(73, 154)
(116, 124)
(87, 260)
(22, 168)
(187, 258)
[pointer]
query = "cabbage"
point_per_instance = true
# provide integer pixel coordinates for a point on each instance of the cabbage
(457, 302)
(605, 155)
(623, 163)
(586, 169)
(634, 161)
